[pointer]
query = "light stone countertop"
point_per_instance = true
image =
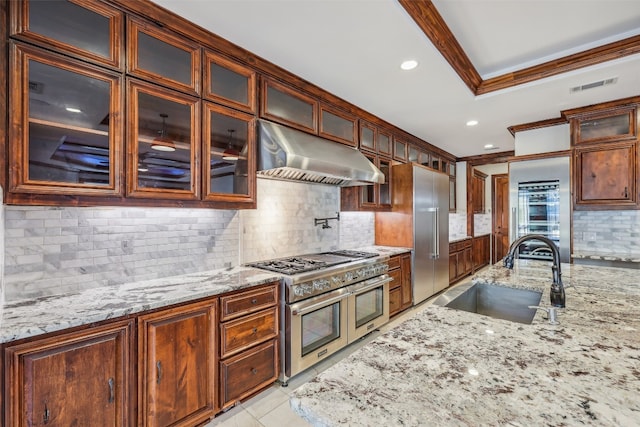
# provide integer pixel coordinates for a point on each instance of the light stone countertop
(27, 318)
(444, 367)
(454, 239)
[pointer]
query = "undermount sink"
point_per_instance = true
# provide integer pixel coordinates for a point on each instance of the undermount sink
(498, 302)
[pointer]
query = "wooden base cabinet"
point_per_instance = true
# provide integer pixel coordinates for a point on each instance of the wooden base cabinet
(249, 333)
(400, 292)
(481, 251)
(75, 379)
(177, 362)
(460, 260)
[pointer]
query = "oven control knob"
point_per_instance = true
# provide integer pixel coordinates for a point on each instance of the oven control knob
(298, 291)
(348, 276)
(336, 280)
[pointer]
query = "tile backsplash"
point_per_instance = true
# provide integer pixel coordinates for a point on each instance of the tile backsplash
(1, 252)
(607, 231)
(53, 250)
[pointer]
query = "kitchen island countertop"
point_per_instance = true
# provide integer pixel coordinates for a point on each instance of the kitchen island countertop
(444, 367)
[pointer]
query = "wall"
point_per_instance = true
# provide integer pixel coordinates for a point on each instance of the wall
(607, 231)
(52, 250)
(543, 140)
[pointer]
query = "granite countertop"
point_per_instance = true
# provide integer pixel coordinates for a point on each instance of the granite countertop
(444, 367)
(453, 239)
(603, 256)
(27, 318)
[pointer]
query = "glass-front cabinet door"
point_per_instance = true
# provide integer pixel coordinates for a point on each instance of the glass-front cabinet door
(338, 126)
(163, 142)
(384, 190)
(84, 28)
(285, 105)
(367, 137)
(229, 83)
(66, 125)
(163, 57)
(383, 141)
(229, 154)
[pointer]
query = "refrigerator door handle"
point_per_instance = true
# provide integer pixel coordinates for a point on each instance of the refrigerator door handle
(514, 222)
(435, 254)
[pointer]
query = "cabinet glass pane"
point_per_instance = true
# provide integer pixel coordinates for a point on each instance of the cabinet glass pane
(289, 107)
(228, 145)
(71, 24)
(385, 189)
(366, 138)
(228, 84)
(605, 127)
(452, 195)
(413, 154)
(164, 143)
(444, 165)
(435, 162)
(164, 59)
(425, 159)
(384, 143)
(399, 150)
(337, 126)
(68, 126)
(452, 169)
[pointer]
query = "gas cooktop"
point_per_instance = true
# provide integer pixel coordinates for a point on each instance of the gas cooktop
(303, 263)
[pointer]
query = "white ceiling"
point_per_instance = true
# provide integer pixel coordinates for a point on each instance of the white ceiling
(353, 49)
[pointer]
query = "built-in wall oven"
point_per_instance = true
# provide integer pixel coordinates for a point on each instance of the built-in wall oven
(329, 300)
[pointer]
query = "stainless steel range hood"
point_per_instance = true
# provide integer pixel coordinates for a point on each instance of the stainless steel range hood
(289, 154)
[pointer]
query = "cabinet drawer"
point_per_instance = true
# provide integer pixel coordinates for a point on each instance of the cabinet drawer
(239, 334)
(247, 372)
(236, 305)
(394, 263)
(396, 275)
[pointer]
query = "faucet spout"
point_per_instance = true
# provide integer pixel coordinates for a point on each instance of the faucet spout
(557, 288)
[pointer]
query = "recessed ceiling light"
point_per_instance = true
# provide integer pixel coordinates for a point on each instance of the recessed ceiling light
(488, 146)
(409, 65)
(472, 122)
(73, 110)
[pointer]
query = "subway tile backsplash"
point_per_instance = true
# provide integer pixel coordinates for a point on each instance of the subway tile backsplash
(53, 250)
(607, 231)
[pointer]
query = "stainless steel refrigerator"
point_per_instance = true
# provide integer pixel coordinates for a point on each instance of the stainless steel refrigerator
(419, 220)
(540, 203)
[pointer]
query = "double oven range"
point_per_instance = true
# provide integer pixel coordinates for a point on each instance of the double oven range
(329, 300)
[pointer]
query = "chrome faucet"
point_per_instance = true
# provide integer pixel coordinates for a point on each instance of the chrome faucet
(557, 289)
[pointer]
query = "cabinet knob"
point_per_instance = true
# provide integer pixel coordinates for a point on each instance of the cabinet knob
(626, 192)
(254, 301)
(255, 331)
(45, 416)
(254, 371)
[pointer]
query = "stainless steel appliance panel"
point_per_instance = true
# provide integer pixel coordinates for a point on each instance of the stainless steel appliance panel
(431, 233)
(543, 170)
(368, 306)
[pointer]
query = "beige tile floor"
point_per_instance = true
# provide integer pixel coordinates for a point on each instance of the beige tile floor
(271, 408)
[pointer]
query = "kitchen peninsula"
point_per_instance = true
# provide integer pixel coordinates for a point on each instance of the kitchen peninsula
(450, 367)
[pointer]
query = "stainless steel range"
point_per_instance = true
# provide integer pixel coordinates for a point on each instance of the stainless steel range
(329, 300)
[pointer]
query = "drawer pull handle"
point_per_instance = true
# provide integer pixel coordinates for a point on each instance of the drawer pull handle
(254, 371)
(159, 372)
(254, 301)
(111, 390)
(45, 417)
(255, 331)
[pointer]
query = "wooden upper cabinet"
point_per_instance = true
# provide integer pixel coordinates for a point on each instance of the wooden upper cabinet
(230, 83)
(399, 150)
(368, 137)
(605, 126)
(66, 125)
(161, 56)
(229, 154)
(177, 364)
(75, 379)
(607, 175)
(413, 154)
(163, 137)
(338, 125)
(376, 197)
(82, 28)
(478, 181)
(288, 106)
(383, 143)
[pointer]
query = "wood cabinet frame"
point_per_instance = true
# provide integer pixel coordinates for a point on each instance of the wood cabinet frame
(19, 28)
(137, 25)
(266, 83)
(576, 119)
(133, 88)
(250, 74)
(150, 372)
(208, 193)
(353, 140)
(18, 382)
(19, 130)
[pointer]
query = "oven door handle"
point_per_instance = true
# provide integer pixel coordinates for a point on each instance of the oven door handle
(312, 307)
(368, 285)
